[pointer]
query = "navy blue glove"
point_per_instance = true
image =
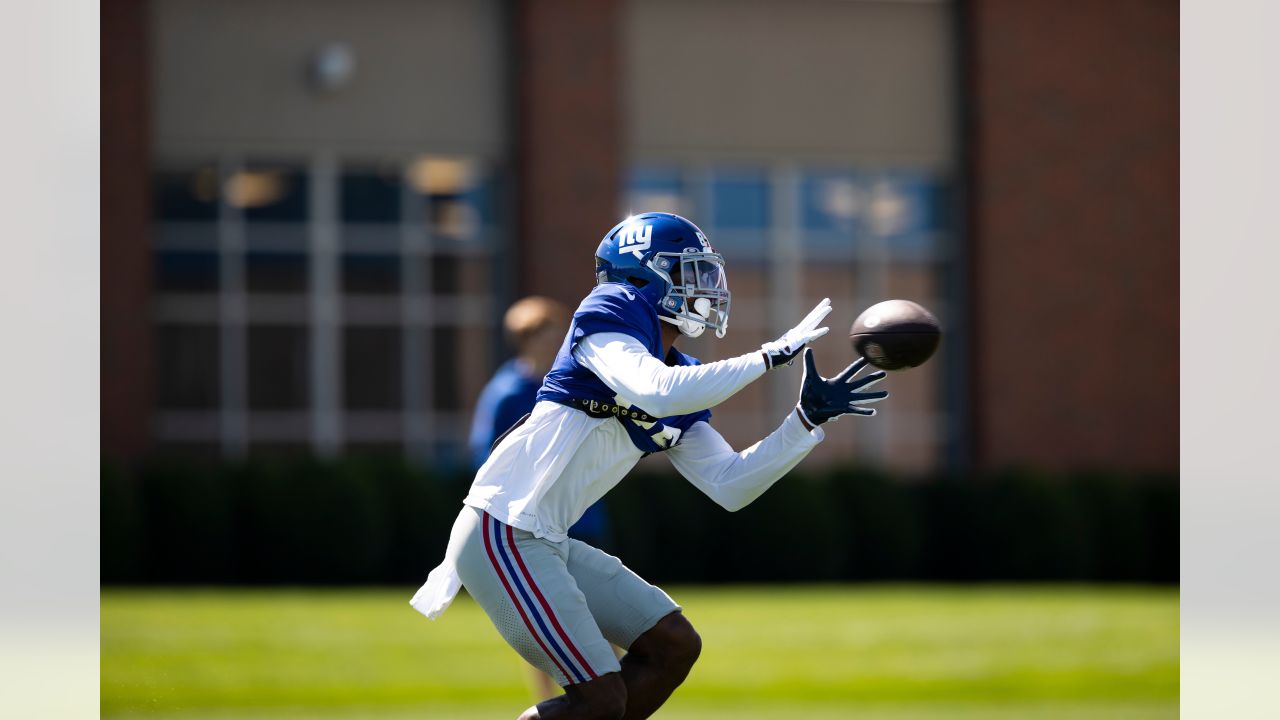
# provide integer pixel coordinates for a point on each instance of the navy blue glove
(822, 399)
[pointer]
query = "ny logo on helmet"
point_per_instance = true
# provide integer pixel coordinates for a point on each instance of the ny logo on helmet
(635, 240)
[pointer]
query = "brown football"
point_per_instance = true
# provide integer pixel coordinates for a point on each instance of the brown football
(895, 334)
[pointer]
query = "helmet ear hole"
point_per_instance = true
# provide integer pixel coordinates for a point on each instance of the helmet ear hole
(637, 281)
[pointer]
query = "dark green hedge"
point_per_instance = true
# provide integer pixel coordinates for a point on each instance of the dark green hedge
(379, 521)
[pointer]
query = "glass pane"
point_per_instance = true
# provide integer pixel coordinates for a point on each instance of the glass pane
(452, 196)
(371, 368)
(186, 195)
(186, 272)
(454, 275)
(371, 196)
(278, 367)
(485, 196)
(741, 200)
(832, 212)
(272, 272)
(741, 214)
(187, 367)
(444, 380)
(370, 274)
(905, 209)
(446, 274)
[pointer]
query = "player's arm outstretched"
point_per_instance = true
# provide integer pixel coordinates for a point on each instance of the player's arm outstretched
(624, 364)
(735, 479)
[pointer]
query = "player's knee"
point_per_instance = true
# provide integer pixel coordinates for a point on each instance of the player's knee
(688, 645)
(679, 645)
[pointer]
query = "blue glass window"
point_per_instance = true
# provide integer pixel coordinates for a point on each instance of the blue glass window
(483, 199)
(186, 196)
(186, 272)
(371, 368)
(741, 200)
(904, 208)
(741, 213)
(371, 196)
(832, 208)
(278, 367)
(187, 366)
(276, 272)
(370, 274)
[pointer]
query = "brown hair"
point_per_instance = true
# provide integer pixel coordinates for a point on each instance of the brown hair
(529, 316)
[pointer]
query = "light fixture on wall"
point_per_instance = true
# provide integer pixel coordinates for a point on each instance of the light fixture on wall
(252, 189)
(331, 67)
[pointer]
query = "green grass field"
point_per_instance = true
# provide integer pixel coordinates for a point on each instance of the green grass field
(917, 652)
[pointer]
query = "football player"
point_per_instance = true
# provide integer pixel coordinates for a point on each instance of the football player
(619, 390)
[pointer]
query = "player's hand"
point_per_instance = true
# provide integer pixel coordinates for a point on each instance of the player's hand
(823, 399)
(783, 350)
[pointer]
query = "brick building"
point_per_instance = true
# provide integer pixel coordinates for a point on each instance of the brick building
(314, 213)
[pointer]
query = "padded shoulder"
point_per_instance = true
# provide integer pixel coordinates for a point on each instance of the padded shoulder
(617, 307)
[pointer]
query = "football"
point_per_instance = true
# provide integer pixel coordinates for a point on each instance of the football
(895, 334)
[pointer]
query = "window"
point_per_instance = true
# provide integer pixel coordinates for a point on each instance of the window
(278, 367)
(275, 272)
(186, 271)
(186, 195)
(371, 195)
(370, 274)
(187, 359)
(274, 201)
(371, 367)
(384, 266)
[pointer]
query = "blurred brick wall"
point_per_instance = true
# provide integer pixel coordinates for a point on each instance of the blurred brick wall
(568, 129)
(1073, 110)
(126, 356)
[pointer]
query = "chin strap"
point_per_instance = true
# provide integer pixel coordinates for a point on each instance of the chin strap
(690, 328)
(693, 328)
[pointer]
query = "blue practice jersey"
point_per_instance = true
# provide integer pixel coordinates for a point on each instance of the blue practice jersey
(614, 307)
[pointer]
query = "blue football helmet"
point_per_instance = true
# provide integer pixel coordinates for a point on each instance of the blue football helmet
(672, 265)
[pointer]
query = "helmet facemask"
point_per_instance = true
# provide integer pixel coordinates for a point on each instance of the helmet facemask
(698, 291)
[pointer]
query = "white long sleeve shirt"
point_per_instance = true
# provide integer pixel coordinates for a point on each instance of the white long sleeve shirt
(545, 474)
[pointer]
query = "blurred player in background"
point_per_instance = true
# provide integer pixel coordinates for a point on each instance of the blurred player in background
(534, 326)
(617, 391)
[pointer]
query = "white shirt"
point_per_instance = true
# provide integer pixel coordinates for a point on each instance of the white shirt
(545, 474)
